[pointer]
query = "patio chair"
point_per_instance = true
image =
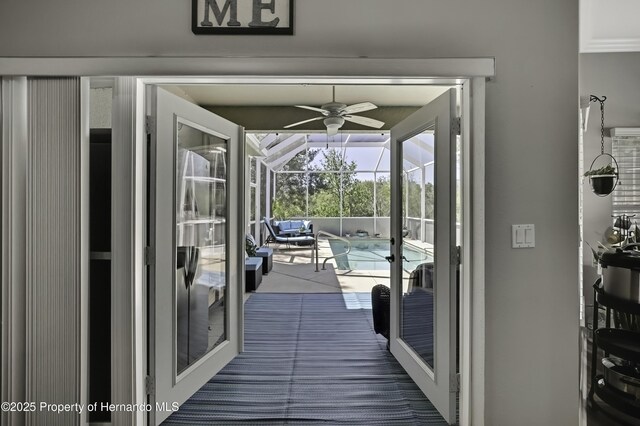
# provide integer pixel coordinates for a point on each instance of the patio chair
(302, 240)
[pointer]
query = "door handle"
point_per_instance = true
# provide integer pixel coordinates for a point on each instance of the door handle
(390, 259)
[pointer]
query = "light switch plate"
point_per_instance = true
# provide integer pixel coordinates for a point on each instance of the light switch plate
(523, 236)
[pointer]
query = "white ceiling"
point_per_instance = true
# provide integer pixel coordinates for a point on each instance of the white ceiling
(314, 95)
(609, 26)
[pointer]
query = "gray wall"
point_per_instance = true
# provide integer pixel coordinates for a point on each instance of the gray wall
(531, 294)
(616, 76)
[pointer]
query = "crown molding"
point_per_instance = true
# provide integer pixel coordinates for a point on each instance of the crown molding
(607, 27)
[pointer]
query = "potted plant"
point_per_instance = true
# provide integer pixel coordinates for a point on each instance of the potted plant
(250, 246)
(603, 180)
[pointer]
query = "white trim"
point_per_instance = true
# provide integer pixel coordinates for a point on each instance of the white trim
(127, 265)
(414, 71)
(13, 120)
(465, 277)
(597, 35)
(258, 199)
(139, 140)
(84, 242)
(291, 140)
(624, 132)
(475, 282)
(592, 45)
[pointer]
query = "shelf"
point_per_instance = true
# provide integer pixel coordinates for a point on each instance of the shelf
(622, 343)
(616, 303)
(200, 221)
(205, 179)
(619, 400)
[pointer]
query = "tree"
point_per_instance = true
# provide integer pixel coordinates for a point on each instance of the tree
(290, 198)
(324, 195)
(383, 197)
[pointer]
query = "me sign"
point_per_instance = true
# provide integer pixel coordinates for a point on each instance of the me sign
(242, 17)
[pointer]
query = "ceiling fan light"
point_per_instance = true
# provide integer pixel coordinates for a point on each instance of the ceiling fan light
(333, 124)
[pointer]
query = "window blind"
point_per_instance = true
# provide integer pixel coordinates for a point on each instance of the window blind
(626, 196)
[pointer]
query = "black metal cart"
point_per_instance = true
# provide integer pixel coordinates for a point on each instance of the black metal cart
(624, 344)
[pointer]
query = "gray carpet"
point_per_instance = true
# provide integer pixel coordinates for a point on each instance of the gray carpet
(309, 358)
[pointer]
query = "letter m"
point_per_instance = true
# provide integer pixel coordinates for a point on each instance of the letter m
(230, 6)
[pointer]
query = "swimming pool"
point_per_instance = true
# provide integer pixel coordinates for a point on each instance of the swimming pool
(369, 255)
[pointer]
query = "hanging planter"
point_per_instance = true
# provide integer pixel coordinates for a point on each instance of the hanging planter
(604, 179)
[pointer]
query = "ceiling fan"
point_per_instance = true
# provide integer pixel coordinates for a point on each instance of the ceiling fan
(335, 113)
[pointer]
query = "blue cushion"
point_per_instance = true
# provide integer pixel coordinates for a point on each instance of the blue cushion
(292, 225)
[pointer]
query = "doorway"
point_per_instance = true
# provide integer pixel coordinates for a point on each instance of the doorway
(171, 133)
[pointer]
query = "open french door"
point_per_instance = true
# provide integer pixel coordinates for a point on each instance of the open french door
(195, 291)
(423, 293)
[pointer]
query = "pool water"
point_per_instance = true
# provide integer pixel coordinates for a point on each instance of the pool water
(369, 255)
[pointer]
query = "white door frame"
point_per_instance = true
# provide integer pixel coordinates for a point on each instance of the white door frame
(471, 73)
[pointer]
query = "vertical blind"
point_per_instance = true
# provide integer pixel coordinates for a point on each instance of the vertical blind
(626, 196)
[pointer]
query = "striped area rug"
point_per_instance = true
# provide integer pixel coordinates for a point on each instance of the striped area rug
(309, 359)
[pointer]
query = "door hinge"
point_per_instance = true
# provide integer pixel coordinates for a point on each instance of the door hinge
(455, 126)
(457, 382)
(149, 256)
(150, 385)
(149, 124)
(456, 255)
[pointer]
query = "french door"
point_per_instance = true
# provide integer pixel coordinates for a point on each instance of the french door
(423, 219)
(195, 294)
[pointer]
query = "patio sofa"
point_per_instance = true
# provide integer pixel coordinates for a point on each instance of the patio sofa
(291, 235)
(292, 227)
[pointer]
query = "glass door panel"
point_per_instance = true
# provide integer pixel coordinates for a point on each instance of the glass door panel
(418, 252)
(201, 212)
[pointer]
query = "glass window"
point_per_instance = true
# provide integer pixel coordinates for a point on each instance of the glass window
(626, 197)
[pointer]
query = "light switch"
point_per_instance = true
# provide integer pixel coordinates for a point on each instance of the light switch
(523, 236)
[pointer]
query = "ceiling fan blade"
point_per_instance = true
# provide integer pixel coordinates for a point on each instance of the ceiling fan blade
(303, 122)
(364, 121)
(320, 110)
(361, 107)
